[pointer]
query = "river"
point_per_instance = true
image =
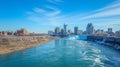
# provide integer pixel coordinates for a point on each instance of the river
(63, 53)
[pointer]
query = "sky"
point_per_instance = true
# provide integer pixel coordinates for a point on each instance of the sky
(39, 16)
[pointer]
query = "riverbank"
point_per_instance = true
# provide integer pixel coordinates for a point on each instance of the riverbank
(14, 43)
(105, 40)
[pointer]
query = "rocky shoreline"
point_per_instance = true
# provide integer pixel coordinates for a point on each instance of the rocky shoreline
(10, 44)
(110, 41)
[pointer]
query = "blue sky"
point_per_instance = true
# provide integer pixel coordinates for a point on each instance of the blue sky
(42, 15)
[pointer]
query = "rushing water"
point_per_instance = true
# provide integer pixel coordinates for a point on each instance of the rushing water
(63, 53)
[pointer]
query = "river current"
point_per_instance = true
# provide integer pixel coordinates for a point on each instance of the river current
(64, 53)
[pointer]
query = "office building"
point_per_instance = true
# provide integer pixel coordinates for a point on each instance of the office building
(22, 32)
(90, 28)
(65, 29)
(62, 31)
(76, 30)
(57, 30)
(109, 29)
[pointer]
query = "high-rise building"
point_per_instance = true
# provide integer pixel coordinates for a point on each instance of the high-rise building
(90, 28)
(62, 31)
(57, 30)
(117, 33)
(76, 30)
(109, 29)
(65, 28)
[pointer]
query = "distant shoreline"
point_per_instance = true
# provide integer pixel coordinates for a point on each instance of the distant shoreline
(110, 41)
(11, 44)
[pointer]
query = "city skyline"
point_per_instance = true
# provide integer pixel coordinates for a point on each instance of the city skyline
(76, 30)
(65, 30)
(47, 14)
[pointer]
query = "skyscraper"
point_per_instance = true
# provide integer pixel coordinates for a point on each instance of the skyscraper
(65, 28)
(57, 30)
(90, 28)
(76, 30)
(62, 31)
(109, 29)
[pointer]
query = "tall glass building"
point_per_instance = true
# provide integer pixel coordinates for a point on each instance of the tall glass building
(90, 28)
(65, 28)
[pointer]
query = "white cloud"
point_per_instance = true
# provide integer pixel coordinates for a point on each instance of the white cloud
(51, 7)
(39, 10)
(43, 15)
(54, 18)
(47, 15)
(55, 1)
(115, 4)
(110, 10)
(53, 13)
